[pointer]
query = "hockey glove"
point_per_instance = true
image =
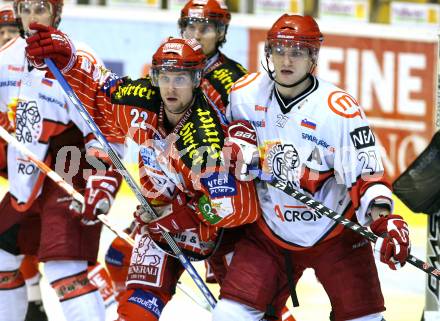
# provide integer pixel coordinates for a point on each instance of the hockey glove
(393, 246)
(98, 197)
(241, 149)
(49, 42)
(174, 218)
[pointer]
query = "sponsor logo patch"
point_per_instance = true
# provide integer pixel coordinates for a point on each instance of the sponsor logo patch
(114, 257)
(15, 68)
(362, 137)
(51, 100)
(291, 213)
(220, 185)
(208, 212)
(225, 77)
(128, 90)
(344, 105)
(258, 123)
(86, 65)
(148, 301)
(149, 158)
(10, 83)
(146, 262)
(317, 141)
(260, 108)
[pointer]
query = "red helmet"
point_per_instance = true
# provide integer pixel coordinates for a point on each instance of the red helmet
(7, 17)
(57, 9)
(178, 54)
(295, 29)
(214, 11)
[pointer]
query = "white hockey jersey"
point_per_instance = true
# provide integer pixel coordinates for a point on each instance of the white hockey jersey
(37, 109)
(320, 142)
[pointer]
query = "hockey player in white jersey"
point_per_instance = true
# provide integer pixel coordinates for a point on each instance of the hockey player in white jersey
(36, 216)
(29, 266)
(314, 136)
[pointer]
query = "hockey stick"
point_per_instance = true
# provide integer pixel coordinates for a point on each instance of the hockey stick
(80, 199)
(325, 211)
(130, 181)
(60, 181)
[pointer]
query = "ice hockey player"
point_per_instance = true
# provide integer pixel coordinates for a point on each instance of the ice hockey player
(316, 138)
(29, 266)
(207, 21)
(36, 218)
(181, 136)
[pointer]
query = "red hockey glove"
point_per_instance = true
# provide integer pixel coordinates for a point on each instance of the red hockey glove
(49, 42)
(393, 246)
(174, 218)
(98, 197)
(241, 149)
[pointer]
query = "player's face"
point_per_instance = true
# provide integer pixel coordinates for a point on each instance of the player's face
(39, 11)
(205, 33)
(290, 63)
(176, 89)
(7, 33)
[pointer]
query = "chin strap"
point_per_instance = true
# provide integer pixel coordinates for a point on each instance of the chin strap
(271, 72)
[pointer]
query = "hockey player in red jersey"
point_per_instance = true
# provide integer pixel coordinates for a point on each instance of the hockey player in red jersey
(207, 22)
(8, 24)
(181, 136)
(36, 216)
(315, 137)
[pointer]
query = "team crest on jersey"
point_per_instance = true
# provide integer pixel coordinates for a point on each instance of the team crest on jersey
(28, 121)
(283, 163)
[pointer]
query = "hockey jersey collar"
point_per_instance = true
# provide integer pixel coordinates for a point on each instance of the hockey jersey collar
(211, 61)
(287, 107)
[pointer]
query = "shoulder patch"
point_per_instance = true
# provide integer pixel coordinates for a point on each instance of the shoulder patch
(343, 104)
(139, 93)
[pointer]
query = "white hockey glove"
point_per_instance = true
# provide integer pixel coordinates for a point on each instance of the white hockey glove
(241, 149)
